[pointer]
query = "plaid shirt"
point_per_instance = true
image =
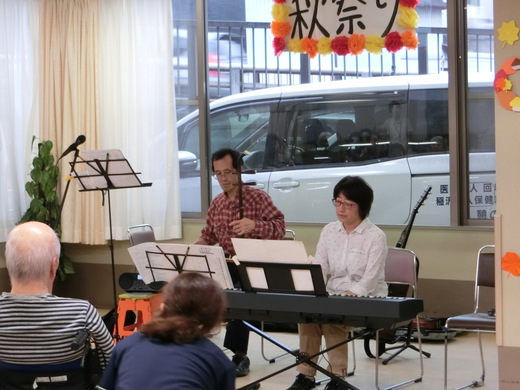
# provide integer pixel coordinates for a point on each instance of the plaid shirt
(257, 206)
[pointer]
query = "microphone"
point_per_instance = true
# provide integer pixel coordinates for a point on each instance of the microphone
(81, 139)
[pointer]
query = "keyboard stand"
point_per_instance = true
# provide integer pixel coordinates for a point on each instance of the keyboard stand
(303, 358)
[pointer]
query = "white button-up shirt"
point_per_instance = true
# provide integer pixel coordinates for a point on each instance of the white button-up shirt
(353, 261)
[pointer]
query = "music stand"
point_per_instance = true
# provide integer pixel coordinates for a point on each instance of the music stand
(106, 170)
(283, 278)
(162, 262)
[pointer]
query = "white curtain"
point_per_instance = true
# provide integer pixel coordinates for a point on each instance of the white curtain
(137, 111)
(136, 108)
(18, 109)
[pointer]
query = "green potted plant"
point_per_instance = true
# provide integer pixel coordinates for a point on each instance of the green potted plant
(45, 205)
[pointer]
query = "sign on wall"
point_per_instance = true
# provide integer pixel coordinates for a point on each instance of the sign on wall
(344, 26)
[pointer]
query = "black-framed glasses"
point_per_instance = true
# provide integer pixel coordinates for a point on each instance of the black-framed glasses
(339, 203)
(223, 174)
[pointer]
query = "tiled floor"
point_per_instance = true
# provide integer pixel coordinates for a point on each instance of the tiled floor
(464, 364)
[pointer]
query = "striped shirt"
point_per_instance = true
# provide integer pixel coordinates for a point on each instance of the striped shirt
(39, 329)
(257, 206)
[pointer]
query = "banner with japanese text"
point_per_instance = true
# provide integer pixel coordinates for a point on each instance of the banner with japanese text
(344, 26)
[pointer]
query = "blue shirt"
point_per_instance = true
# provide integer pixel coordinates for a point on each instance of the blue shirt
(139, 362)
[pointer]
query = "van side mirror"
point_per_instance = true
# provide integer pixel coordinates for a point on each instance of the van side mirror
(187, 162)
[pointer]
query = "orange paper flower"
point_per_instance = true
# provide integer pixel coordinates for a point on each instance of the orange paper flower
(409, 39)
(356, 44)
(280, 29)
(310, 46)
(511, 263)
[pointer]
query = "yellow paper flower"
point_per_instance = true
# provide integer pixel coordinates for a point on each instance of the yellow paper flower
(408, 17)
(324, 46)
(508, 85)
(374, 44)
(280, 12)
(295, 45)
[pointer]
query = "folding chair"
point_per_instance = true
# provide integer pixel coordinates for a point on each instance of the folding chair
(480, 322)
(401, 269)
(138, 234)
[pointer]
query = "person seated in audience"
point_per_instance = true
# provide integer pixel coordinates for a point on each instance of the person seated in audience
(172, 351)
(352, 253)
(37, 328)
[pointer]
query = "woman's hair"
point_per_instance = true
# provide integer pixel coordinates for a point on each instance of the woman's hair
(194, 306)
(357, 190)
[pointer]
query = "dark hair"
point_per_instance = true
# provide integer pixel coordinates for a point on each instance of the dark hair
(392, 104)
(357, 190)
(194, 306)
(221, 153)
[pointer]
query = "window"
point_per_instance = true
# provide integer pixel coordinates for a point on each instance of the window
(361, 128)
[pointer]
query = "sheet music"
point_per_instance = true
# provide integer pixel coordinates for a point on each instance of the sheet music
(162, 262)
(112, 162)
(279, 251)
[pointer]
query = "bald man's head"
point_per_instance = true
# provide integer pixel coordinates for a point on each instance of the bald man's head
(30, 250)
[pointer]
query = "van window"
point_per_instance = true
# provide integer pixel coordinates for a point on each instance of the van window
(351, 128)
(238, 127)
(428, 112)
(481, 119)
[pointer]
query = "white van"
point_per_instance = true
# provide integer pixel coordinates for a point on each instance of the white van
(393, 131)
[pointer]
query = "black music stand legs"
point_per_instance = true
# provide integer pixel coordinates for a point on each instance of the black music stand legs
(301, 358)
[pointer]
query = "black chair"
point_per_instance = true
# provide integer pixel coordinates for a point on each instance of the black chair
(84, 377)
(477, 321)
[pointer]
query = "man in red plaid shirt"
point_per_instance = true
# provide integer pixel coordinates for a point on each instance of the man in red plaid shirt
(260, 219)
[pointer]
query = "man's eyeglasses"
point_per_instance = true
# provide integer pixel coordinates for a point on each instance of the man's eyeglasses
(224, 174)
(339, 203)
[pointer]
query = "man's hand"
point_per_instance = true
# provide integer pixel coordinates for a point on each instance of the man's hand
(242, 226)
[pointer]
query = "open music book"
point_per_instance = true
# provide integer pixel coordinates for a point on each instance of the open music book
(273, 251)
(277, 266)
(157, 262)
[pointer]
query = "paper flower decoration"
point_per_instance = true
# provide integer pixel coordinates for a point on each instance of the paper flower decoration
(511, 263)
(508, 33)
(503, 86)
(367, 26)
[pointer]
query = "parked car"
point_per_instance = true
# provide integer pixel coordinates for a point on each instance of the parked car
(226, 54)
(300, 140)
